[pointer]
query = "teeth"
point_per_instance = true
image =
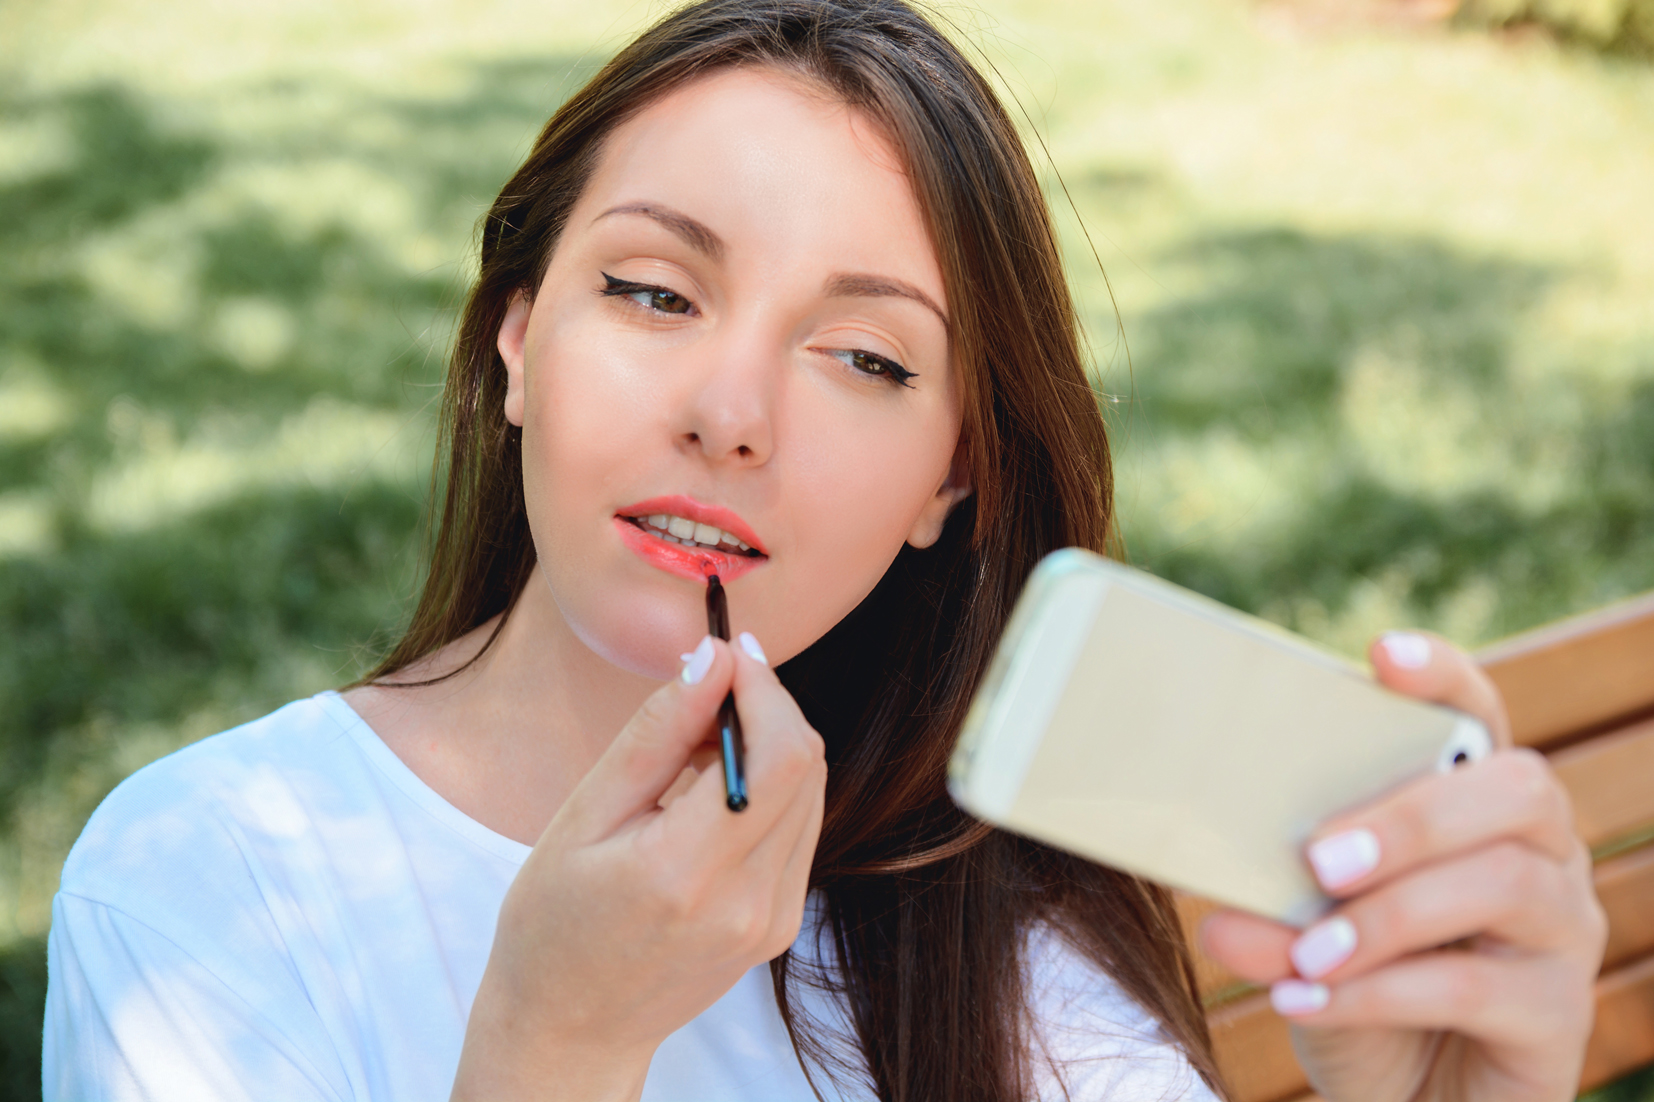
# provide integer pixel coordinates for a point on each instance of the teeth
(685, 531)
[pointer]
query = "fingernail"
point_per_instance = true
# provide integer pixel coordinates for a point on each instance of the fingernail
(700, 660)
(750, 645)
(1323, 947)
(1294, 997)
(1407, 649)
(1344, 858)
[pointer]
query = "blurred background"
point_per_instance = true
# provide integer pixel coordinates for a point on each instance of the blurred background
(1384, 353)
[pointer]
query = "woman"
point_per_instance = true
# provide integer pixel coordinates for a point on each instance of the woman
(776, 291)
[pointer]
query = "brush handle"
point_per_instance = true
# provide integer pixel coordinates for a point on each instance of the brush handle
(717, 609)
(734, 752)
(729, 724)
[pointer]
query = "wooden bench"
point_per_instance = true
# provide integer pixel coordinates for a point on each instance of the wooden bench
(1581, 691)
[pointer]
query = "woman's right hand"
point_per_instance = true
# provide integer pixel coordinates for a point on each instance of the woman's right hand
(628, 918)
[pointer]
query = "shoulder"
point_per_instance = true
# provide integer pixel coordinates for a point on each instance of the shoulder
(184, 822)
(1092, 1040)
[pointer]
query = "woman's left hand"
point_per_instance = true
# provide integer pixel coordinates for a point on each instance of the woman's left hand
(1458, 963)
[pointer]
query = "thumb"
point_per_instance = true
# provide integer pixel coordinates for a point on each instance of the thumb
(654, 747)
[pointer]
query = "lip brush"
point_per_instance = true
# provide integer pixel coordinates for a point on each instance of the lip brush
(729, 724)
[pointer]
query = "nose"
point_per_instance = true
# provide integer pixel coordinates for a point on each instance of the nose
(728, 411)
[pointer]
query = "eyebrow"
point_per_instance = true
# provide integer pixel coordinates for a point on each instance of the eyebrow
(860, 284)
(697, 235)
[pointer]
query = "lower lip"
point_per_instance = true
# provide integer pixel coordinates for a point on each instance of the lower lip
(694, 563)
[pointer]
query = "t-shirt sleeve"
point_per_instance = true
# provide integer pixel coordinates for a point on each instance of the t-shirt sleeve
(130, 1015)
(1092, 1041)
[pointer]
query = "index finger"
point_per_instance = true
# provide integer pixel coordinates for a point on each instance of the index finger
(1510, 795)
(651, 751)
(782, 753)
(1428, 667)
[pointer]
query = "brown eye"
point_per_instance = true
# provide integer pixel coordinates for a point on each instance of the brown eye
(668, 302)
(869, 364)
(646, 295)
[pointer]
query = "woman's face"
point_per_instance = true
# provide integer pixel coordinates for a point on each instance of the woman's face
(741, 334)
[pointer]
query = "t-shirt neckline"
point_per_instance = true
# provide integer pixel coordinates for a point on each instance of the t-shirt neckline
(396, 770)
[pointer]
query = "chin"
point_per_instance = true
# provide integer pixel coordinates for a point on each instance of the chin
(638, 634)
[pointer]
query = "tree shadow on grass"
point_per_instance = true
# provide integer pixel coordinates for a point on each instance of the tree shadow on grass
(268, 313)
(1266, 353)
(1265, 350)
(22, 1002)
(282, 587)
(112, 604)
(142, 628)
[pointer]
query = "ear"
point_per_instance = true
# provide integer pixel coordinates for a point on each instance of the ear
(927, 527)
(513, 330)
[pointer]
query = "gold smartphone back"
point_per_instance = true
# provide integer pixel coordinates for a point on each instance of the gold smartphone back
(1141, 725)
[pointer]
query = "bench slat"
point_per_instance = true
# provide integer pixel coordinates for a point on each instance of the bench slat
(1624, 1036)
(1625, 885)
(1611, 780)
(1577, 674)
(1254, 1044)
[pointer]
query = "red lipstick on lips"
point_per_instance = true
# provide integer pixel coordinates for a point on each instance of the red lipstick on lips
(693, 563)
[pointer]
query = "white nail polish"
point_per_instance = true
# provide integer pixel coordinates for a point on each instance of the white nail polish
(700, 661)
(1323, 947)
(1291, 998)
(1344, 858)
(1407, 649)
(750, 645)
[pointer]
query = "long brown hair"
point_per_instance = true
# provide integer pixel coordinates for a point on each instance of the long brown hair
(924, 909)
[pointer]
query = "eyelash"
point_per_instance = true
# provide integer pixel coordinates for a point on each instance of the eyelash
(613, 287)
(886, 367)
(882, 366)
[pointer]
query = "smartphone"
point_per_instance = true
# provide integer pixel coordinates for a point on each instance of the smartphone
(1141, 725)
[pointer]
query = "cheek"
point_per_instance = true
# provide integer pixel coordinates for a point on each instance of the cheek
(854, 501)
(568, 454)
(585, 416)
(564, 460)
(589, 426)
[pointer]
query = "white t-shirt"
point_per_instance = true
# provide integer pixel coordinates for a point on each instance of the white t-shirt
(285, 911)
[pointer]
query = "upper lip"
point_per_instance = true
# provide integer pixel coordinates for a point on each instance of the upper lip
(681, 505)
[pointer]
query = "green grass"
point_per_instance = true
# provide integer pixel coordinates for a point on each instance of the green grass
(1390, 356)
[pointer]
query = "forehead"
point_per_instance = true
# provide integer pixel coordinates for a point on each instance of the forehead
(772, 162)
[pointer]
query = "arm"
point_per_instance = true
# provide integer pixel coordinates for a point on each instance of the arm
(131, 1015)
(630, 918)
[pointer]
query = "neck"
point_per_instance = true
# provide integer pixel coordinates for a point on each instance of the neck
(508, 739)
